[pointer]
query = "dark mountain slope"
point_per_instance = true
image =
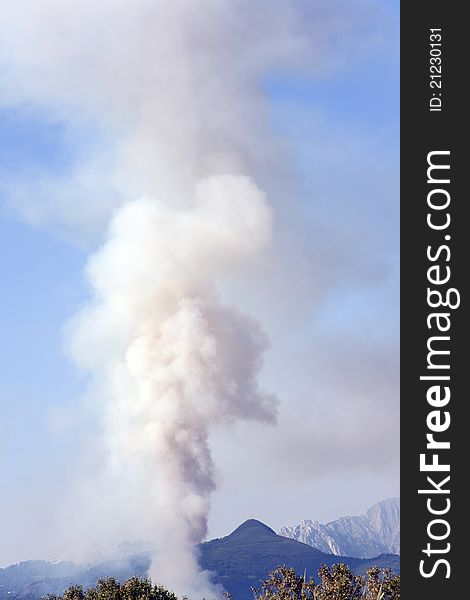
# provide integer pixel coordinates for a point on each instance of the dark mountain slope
(238, 561)
(243, 558)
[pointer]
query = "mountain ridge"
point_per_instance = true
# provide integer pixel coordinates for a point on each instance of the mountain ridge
(238, 561)
(375, 532)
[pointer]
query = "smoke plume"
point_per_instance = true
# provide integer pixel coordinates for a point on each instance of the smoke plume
(175, 90)
(172, 187)
(175, 360)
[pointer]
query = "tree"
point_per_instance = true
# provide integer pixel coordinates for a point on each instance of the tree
(109, 589)
(284, 584)
(338, 583)
(335, 583)
(382, 584)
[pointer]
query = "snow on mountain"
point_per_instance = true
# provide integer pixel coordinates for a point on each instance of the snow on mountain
(364, 536)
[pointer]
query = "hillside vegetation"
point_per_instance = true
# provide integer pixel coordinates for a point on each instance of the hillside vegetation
(333, 583)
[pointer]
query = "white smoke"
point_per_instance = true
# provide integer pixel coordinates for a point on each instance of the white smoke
(177, 88)
(176, 361)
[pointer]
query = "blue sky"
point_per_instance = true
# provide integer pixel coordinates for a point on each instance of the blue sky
(340, 131)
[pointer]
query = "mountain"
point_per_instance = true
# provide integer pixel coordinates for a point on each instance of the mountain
(364, 536)
(244, 558)
(238, 561)
(32, 580)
